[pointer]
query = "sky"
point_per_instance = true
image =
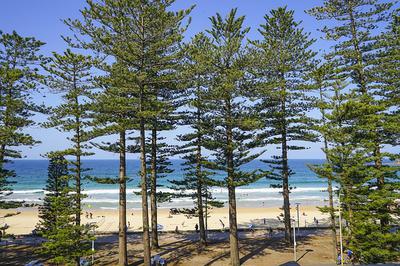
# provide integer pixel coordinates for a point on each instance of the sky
(42, 19)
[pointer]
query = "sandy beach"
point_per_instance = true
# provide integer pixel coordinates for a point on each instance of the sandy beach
(107, 220)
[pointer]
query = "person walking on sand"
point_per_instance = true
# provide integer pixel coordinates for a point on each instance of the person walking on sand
(223, 225)
(270, 231)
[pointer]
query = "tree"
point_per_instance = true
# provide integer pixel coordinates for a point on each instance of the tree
(57, 182)
(70, 73)
(357, 47)
(57, 222)
(165, 103)
(230, 114)
(115, 111)
(282, 83)
(159, 168)
(144, 37)
(19, 75)
(197, 180)
(323, 81)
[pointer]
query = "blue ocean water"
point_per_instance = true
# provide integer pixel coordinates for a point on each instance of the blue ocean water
(32, 174)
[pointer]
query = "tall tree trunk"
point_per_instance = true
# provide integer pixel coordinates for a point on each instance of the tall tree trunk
(153, 188)
(349, 208)
(122, 254)
(330, 190)
(206, 212)
(331, 212)
(233, 235)
(332, 218)
(143, 172)
(203, 239)
(381, 183)
(3, 145)
(285, 192)
(285, 176)
(78, 173)
(2, 151)
(145, 207)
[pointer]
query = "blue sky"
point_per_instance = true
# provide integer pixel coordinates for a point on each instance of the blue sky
(43, 20)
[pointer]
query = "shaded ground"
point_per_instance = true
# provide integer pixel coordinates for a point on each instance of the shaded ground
(256, 248)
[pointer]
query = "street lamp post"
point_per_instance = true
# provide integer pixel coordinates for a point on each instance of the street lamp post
(294, 240)
(340, 233)
(298, 217)
(93, 225)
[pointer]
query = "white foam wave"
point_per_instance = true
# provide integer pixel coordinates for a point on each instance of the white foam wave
(108, 208)
(32, 191)
(280, 198)
(168, 190)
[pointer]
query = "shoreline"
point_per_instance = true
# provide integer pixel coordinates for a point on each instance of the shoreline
(107, 220)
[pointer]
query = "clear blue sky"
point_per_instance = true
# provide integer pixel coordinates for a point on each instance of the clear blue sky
(42, 19)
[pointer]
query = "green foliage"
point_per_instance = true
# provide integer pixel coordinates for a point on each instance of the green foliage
(70, 74)
(198, 180)
(230, 116)
(282, 61)
(361, 122)
(280, 65)
(19, 75)
(65, 240)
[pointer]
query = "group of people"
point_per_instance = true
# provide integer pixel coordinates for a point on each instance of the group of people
(347, 256)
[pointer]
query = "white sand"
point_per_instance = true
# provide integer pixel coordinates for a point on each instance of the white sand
(107, 220)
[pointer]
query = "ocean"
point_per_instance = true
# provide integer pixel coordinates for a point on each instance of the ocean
(307, 188)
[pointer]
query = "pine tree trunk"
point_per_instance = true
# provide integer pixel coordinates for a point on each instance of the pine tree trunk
(3, 145)
(332, 218)
(349, 210)
(285, 178)
(285, 193)
(78, 189)
(78, 174)
(2, 151)
(145, 207)
(233, 235)
(206, 212)
(143, 172)
(203, 240)
(381, 183)
(153, 189)
(331, 206)
(122, 254)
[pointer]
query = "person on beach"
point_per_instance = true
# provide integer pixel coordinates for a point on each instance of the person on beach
(196, 227)
(222, 223)
(251, 228)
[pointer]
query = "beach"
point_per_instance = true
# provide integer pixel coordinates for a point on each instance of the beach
(107, 220)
